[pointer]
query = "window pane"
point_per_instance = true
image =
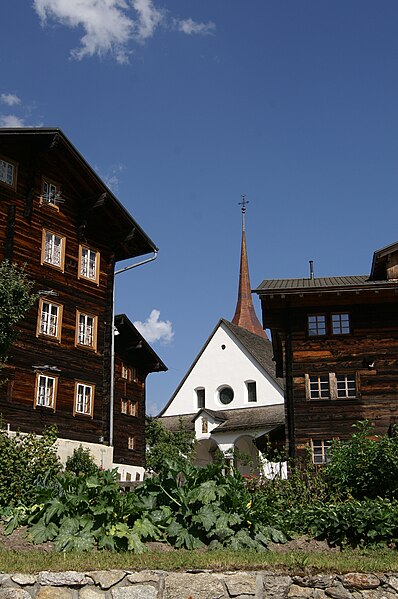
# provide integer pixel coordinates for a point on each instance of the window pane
(252, 391)
(340, 324)
(201, 400)
(317, 325)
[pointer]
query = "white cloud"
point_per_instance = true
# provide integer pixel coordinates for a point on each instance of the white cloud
(154, 329)
(11, 120)
(190, 27)
(111, 179)
(10, 99)
(109, 25)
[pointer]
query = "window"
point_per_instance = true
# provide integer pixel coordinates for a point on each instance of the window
(331, 386)
(8, 172)
(319, 387)
(320, 451)
(251, 391)
(49, 193)
(316, 325)
(89, 264)
(53, 249)
(226, 395)
(46, 391)
(200, 398)
(126, 372)
(131, 442)
(50, 319)
(84, 399)
(86, 330)
(346, 386)
(340, 324)
(129, 407)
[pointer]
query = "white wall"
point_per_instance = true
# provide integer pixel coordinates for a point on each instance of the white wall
(217, 367)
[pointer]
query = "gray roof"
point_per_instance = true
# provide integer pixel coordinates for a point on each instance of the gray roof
(250, 417)
(319, 283)
(260, 348)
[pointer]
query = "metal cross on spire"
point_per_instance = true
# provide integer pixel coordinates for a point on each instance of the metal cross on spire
(243, 203)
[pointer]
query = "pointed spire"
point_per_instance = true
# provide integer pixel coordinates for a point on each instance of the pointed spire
(245, 315)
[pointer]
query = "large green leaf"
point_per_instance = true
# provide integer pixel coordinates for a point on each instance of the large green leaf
(42, 532)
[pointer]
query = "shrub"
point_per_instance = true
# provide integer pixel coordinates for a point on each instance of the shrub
(365, 465)
(81, 462)
(24, 460)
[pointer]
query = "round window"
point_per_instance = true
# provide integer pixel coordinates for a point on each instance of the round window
(226, 395)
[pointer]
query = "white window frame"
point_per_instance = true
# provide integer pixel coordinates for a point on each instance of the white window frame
(132, 442)
(46, 391)
(50, 192)
(126, 372)
(346, 387)
(49, 322)
(319, 451)
(86, 333)
(318, 322)
(6, 167)
(84, 399)
(88, 257)
(336, 386)
(341, 324)
(51, 255)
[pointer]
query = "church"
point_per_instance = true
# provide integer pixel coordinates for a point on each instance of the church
(230, 396)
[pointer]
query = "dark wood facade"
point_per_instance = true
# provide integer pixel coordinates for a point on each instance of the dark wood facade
(134, 360)
(336, 342)
(59, 220)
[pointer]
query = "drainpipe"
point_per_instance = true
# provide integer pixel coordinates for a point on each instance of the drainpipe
(112, 389)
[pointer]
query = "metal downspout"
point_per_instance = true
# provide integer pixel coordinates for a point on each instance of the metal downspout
(112, 386)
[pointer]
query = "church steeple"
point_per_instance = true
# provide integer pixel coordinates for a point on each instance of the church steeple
(245, 315)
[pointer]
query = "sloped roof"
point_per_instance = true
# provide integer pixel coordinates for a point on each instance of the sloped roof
(255, 417)
(287, 285)
(131, 238)
(259, 348)
(132, 343)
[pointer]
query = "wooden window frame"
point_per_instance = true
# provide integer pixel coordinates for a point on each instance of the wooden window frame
(92, 347)
(125, 372)
(54, 395)
(325, 444)
(14, 175)
(124, 406)
(77, 412)
(132, 442)
(332, 381)
(43, 261)
(340, 332)
(39, 333)
(316, 316)
(95, 279)
(43, 202)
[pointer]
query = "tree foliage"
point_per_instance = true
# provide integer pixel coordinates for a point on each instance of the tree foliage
(16, 298)
(163, 444)
(81, 462)
(24, 460)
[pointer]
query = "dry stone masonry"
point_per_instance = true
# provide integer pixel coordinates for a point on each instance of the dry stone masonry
(120, 584)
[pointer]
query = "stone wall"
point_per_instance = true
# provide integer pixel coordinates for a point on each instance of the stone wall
(118, 584)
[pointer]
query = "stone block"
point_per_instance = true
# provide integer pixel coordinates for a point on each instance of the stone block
(54, 593)
(240, 583)
(143, 591)
(107, 578)
(193, 586)
(360, 581)
(67, 579)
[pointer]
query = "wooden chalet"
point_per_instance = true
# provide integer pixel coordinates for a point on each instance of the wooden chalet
(61, 221)
(335, 339)
(134, 360)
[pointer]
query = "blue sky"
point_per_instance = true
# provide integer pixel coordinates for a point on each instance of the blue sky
(183, 106)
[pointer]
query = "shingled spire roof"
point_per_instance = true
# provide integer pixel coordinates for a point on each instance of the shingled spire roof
(245, 315)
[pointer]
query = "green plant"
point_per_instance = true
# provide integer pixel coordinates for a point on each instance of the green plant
(25, 460)
(81, 462)
(16, 298)
(365, 465)
(163, 444)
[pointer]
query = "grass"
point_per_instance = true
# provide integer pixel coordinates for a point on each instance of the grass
(34, 561)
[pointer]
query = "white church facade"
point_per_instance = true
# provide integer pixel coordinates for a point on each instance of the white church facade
(230, 396)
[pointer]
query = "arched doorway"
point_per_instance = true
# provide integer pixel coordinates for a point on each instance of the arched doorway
(204, 452)
(246, 456)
